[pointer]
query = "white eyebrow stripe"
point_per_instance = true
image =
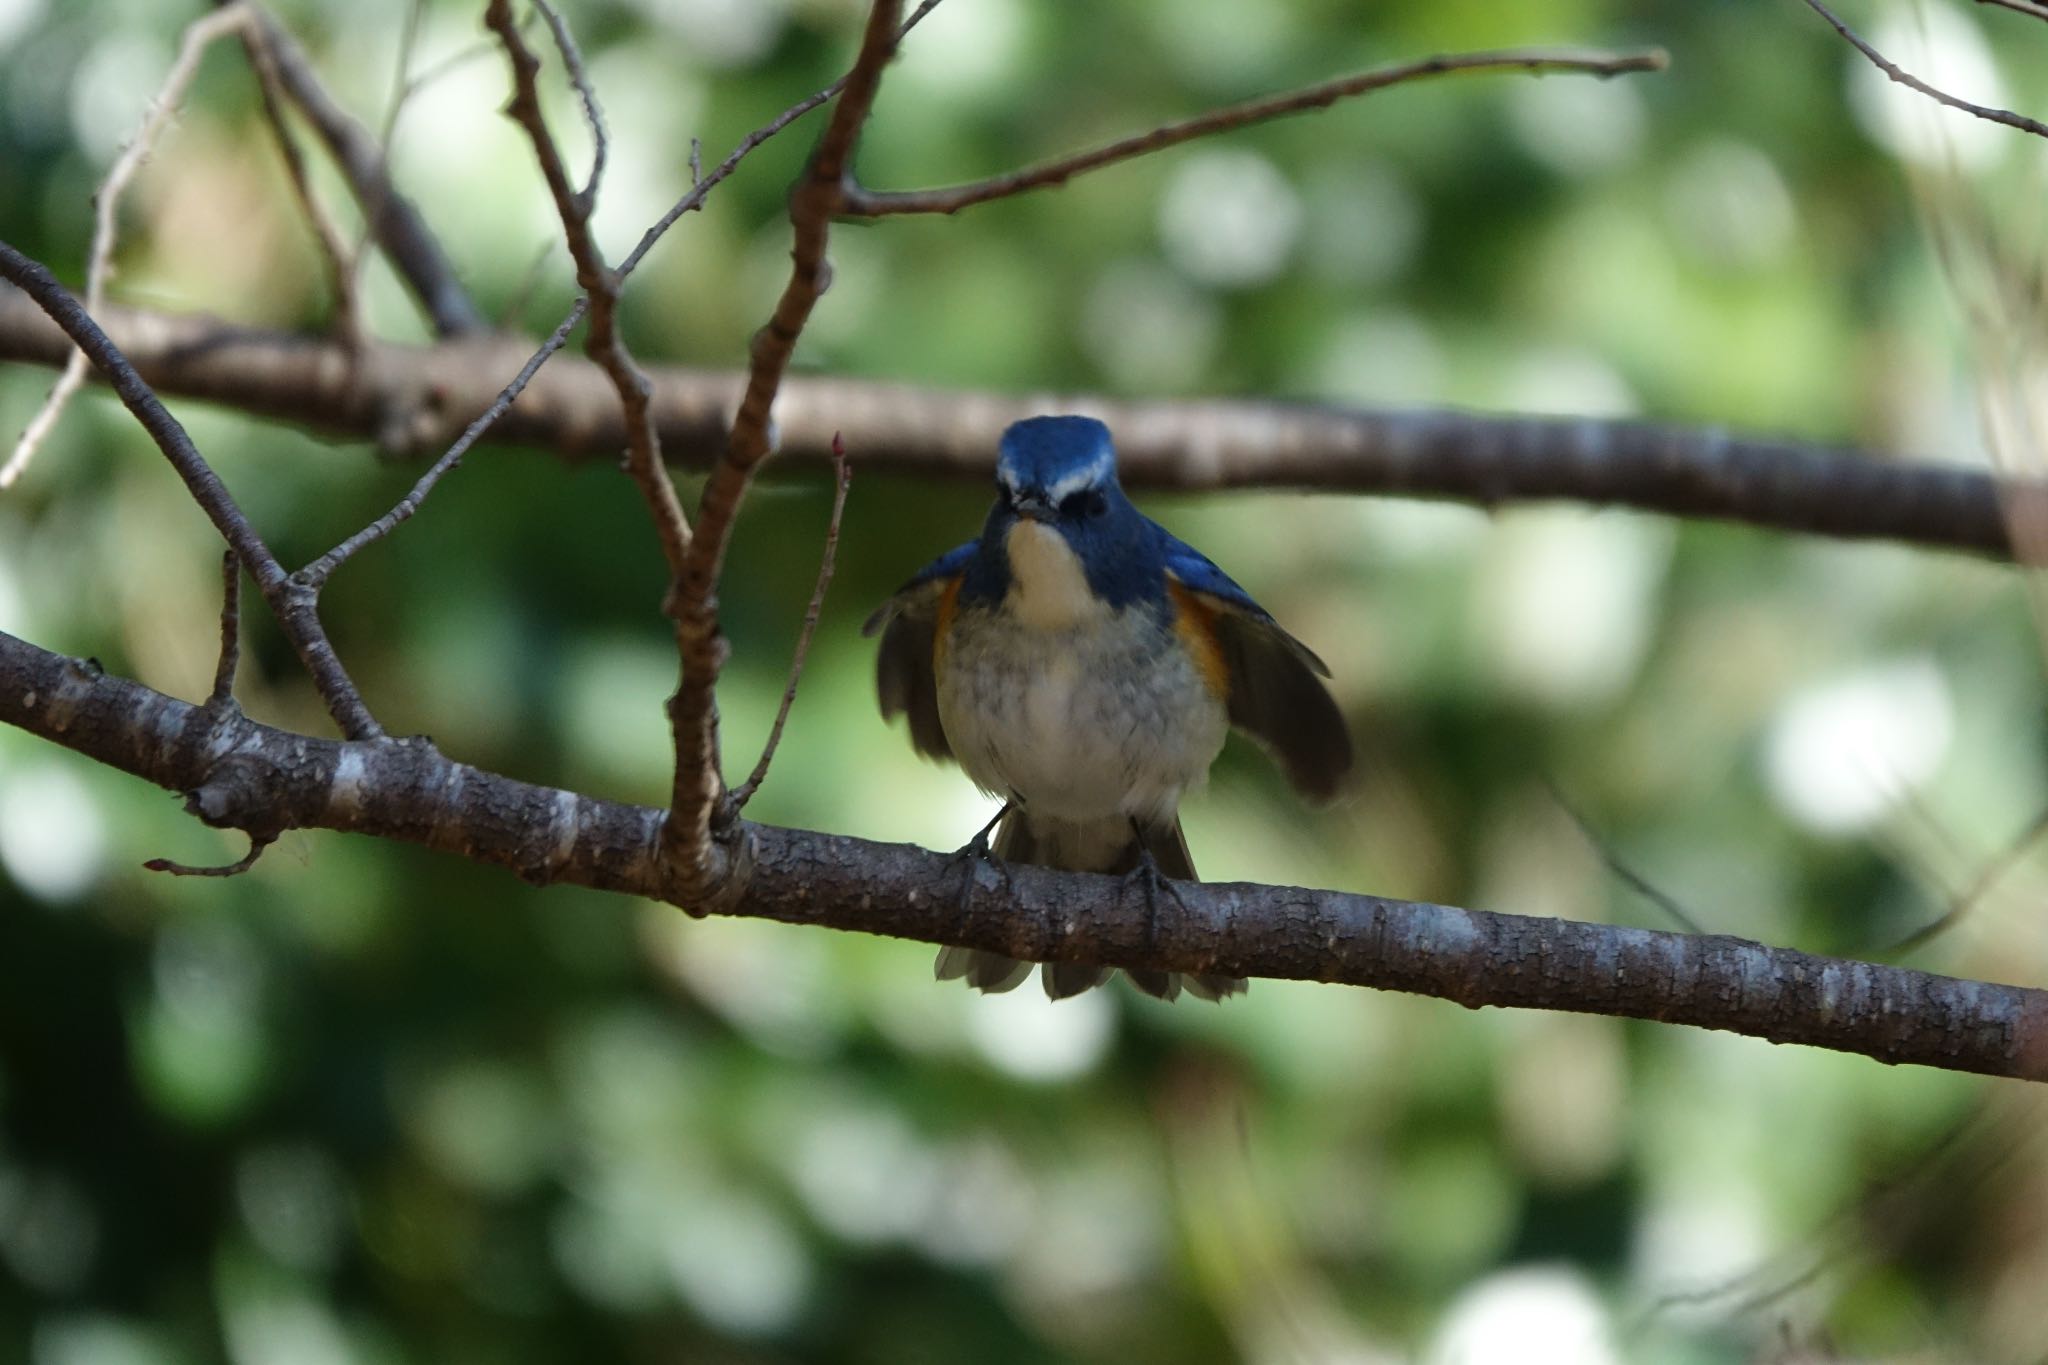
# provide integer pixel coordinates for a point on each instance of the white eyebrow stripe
(1088, 476)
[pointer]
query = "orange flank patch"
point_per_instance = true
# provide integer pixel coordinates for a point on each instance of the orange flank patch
(1194, 621)
(942, 620)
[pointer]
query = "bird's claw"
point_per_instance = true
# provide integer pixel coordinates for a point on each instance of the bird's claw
(979, 850)
(1155, 883)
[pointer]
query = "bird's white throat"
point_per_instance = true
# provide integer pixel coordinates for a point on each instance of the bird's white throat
(1048, 587)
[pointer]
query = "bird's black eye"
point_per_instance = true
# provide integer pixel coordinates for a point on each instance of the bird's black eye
(1089, 502)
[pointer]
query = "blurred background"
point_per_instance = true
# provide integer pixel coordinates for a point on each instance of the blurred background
(371, 1104)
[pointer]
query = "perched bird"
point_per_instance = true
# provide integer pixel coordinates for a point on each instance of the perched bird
(1083, 664)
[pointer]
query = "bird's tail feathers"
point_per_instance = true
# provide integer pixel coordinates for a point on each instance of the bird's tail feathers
(1113, 847)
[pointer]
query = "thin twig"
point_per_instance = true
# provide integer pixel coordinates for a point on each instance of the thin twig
(335, 254)
(1960, 1159)
(951, 199)
(199, 35)
(593, 112)
(842, 480)
(402, 88)
(477, 51)
(403, 84)
(316, 574)
(1961, 906)
(695, 812)
(1912, 82)
(394, 222)
(2026, 7)
(1633, 879)
(522, 289)
(294, 606)
(257, 843)
(223, 693)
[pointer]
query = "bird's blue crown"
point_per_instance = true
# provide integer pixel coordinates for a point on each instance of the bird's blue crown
(1055, 456)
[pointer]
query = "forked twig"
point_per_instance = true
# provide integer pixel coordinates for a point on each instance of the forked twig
(393, 220)
(199, 35)
(294, 605)
(701, 185)
(600, 283)
(842, 479)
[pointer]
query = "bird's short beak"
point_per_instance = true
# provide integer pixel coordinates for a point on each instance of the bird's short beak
(1032, 506)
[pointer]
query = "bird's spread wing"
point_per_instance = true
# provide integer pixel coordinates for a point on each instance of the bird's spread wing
(909, 624)
(1272, 680)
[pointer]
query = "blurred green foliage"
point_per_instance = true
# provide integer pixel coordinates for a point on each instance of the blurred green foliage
(369, 1104)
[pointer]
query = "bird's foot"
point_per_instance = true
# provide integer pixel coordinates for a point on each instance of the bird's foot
(1155, 884)
(979, 850)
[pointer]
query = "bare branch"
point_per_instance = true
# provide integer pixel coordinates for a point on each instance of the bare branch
(842, 480)
(292, 603)
(877, 204)
(414, 399)
(1912, 82)
(199, 35)
(238, 774)
(693, 711)
(394, 222)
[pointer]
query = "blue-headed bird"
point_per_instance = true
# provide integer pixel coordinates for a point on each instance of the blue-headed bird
(1083, 666)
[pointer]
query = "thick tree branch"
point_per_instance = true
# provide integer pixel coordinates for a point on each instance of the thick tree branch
(293, 603)
(236, 773)
(414, 400)
(951, 199)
